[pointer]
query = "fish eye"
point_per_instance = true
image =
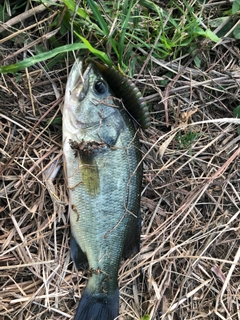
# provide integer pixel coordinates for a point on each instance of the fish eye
(100, 87)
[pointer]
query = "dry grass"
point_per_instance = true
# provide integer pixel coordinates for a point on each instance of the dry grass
(188, 267)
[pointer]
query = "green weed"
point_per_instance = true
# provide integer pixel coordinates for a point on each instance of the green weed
(118, 32)
(186, 139)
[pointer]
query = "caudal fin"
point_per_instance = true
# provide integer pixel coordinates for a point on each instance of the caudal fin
(98, 306)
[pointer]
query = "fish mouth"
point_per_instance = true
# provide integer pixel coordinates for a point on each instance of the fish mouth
(78, 78)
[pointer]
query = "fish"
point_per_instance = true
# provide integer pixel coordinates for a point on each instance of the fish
(103, 172)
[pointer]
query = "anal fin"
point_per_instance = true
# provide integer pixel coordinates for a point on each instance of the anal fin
(132, 243)
(78, 256)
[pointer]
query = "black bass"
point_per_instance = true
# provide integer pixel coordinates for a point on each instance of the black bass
(102, 164)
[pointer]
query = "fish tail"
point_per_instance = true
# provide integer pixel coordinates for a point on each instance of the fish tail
(98, 306)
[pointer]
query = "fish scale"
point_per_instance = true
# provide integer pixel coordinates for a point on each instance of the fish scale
(102, 164)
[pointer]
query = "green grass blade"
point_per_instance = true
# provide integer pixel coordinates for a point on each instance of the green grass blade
(41, 57)
(212, 36)
(124, 29)
(98, 16)
(72, 6)
(104, 30)
(101, 55)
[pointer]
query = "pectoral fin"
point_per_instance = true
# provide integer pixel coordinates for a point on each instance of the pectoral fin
(90, 177)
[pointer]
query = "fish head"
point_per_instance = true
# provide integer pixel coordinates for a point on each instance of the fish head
(88, 98)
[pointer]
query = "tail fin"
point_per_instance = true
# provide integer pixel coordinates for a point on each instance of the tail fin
(98, 306)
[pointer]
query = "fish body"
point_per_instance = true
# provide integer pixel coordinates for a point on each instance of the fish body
(102, 164)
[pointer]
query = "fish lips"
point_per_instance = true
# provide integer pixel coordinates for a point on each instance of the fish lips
(78, 82)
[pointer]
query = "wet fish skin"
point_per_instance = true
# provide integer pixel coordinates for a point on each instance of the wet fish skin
(102, 163)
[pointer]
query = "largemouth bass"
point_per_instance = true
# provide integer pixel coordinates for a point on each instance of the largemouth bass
(102, 164)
